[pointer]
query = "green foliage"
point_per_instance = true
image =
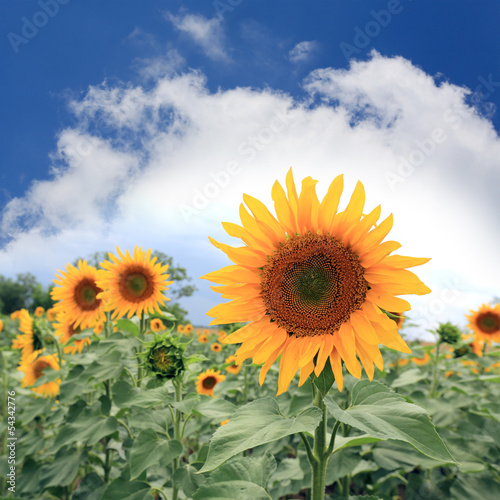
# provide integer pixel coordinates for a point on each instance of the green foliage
(25, 292)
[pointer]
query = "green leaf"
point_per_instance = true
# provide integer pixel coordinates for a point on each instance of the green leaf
(409, 377)
(256, 423)
(325, 379)
(124, 395)
(215, 408)
(108, 367)
(288, 470)
(62, 471)
(252, 473)
(149, 449)
(348, 442)
(187, 479)
(383, 414)
(128, 325)
(87, 431)
(127, 490)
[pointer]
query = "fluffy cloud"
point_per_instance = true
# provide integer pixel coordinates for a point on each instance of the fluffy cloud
(162, 166)
(303, 51)
(206, 33)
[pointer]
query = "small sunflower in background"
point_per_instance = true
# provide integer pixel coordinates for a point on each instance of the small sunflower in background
(156, 325)
(15, 315)
(77, 293)
(33, 367)
(206, 332)
(232, 367)
(207, 381)
(313, 283)
(51, 314)
(180, 328)
(203, 339)
(216, 347)
(224, 422)
(188, 329)
(423, 360)
(99, 327)
(64, 329)
(30, 339)
(221, 335)
(39, 311)
(133, 284)
(1, 325)
(485, 323)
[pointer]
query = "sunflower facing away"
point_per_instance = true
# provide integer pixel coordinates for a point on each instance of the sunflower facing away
(30, 339)
(65, 329)
(312, 283)
(207, 381)
(133, 284)
(76, 293)
(33, 367)
(485, 323)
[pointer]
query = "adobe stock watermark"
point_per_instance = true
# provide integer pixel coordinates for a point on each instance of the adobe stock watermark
(223, 6)
(31, 27)
(363, 36)
(247, 150)
(453, 118)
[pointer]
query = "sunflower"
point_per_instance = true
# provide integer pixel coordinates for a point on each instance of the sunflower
(203, 339)
(485, 323)
(15, 315)
(156, 325)
(180, 328)
(39, 311)
(30, 339)
(206, 332)
(224, 422)
(33, 367)
(133, 284)
(188, 329)
(232, 367)
(423, 360)
(51, 314)
(312, 283)
(216, 347)
(222, 335)
(65, 329)
(99, 327)
(207, 381)
(77, 294)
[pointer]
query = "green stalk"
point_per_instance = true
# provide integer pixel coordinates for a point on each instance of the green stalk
(142, 331)
(177, 431)
(435, 375)
(320, 451)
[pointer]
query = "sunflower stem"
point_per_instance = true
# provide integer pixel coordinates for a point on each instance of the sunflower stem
(142, 331)
(245, 387)
(435, 370)
(177, 431)
(320, 455)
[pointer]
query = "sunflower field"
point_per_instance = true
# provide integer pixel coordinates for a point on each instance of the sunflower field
(302, 386)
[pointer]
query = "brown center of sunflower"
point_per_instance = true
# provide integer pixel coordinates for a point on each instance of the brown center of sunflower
(488, 322)
(136, 284)
(72, 330)
(312, 284)
(209, 382)
(38, 366)
(85, 295)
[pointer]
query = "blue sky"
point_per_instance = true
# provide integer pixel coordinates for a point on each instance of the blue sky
(115, 112)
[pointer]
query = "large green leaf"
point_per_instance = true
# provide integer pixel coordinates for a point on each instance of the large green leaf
(383, 414)
(409, 377)
(245, 477)
(256, 423)
(124, 395)
(127, 490)
(214, 408)
(86, 431)
(187, 480)
(62, 471)
(150, 449)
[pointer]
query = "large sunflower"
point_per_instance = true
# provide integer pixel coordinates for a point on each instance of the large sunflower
(133, 284)
(312, 283)
(30, 339)
(207, 380)
(485, 323)
(33, 366)
(65, 329)
(76, 294)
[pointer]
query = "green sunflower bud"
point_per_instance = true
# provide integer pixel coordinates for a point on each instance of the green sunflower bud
(448, 333)
(462, 351)
(165, 359)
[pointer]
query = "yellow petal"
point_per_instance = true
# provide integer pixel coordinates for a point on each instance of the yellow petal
(363, 328)
(336, 363)
(308, 206)
(330, 204)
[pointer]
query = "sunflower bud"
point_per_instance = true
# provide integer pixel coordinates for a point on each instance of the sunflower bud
(165, 359)
(448, 333)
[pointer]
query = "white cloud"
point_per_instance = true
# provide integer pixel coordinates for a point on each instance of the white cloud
(303, 51)
(207, 33)
(176, 158)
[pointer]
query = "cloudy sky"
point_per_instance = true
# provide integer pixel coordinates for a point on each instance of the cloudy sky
(143, 123)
